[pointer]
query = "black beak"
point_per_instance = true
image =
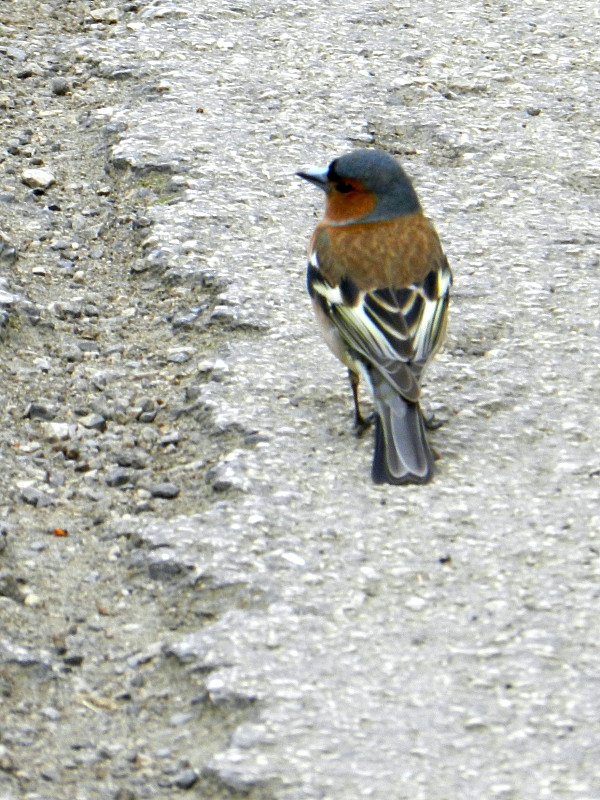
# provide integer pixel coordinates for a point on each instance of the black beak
(317, 176)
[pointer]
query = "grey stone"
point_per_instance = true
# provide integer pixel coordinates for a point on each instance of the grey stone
(23, 656)
(180, 719)
(229, 474)
(72, 353)
(57, 431)
(51, 713)
(168, 491)
(107, 14)
(162, 566)
(9, 586)
(134, 458)
(185, 779)
(117, 477)
(73, 659)
(40, 411)
(36, 497)
(148, 416)
(16, 53)
(169, 439)
(8, 255)
(180, 357)
(59, 86)
(86, 346)
(241, 778)
(7, 298)
(68, 310)
(185, 319)
(7, 764)
(38, 178)
(50, 773)
(93, 422)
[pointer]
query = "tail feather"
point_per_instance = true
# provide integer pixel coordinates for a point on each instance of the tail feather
(402, 452)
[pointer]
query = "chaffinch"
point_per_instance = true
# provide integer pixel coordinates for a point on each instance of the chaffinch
(379, 284)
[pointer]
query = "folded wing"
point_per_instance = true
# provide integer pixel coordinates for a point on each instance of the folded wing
(394, 330)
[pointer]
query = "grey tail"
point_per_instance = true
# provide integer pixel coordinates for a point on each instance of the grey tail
(402, 452)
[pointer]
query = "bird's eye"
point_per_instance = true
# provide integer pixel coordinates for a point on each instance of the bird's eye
(344, 187)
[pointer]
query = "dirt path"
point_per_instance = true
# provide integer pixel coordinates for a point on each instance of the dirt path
(100, 422)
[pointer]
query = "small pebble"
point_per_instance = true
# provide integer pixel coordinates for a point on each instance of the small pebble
(68, 310)
(73, 660)
(60, 244)
(167, 491)
(87, 346)
(169, 438)
(148, 410)
(40, 411)
(93, 422)
(181, 718)
(56, 431)
(134, 458)
(109, 15)
(51, 713)
(179, 357)
(223, 314)
(117, 477)
(6, 762)
(38, 178)
(71, 353)
(16, 53)
(163, 568)
(185, 779)
(32, 600)
(59, 86)
(49, 773)
(35, 497)
(9, 586)
(258, 437)
(184, 319)
(415, 603)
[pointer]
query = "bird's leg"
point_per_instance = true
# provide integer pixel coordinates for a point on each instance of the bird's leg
(360, 423)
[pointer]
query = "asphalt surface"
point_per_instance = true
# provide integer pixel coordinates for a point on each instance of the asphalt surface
(424, 642)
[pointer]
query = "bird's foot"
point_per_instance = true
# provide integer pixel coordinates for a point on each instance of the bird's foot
(432, 423)
(361, 424)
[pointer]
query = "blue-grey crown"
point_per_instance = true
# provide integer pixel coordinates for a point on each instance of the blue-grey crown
(381, 174)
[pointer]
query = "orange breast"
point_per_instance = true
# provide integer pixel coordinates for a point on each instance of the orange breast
(394, 253)
(342, 207)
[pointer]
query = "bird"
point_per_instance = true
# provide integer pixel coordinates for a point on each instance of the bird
(380, 284)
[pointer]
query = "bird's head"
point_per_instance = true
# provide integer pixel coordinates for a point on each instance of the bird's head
(364, 186)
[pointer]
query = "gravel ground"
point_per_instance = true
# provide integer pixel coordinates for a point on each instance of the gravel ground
(201, 593)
